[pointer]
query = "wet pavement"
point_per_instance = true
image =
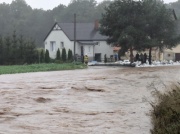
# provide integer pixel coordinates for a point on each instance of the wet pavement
(97, 100)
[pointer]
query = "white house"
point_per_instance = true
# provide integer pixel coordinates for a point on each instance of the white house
(88, 40)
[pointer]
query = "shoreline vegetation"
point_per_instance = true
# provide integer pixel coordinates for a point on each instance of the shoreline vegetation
(166, 113)
(13, 69)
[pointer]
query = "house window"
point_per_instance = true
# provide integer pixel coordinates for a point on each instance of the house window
(62, 44)
(53, 46)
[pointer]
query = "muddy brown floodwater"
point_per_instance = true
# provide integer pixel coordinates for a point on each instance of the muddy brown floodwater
(97, 100)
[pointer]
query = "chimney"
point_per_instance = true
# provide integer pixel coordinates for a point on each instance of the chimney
(96, 25)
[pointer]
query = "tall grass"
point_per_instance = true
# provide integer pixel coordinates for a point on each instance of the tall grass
(39, 68)
(166, 113)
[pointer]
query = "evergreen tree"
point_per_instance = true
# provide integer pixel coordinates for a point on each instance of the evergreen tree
(64, 55)
(14, 54)
(1, 51)
(34, 52)
(47, 58)
(22, 49)
(42, 56)
(58, 55)
(70, 55)
(105, 59)
(7, 50)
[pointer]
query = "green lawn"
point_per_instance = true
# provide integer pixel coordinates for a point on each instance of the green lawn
(39, 68)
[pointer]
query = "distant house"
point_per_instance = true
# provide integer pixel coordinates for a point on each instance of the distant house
(174, 53)
(88, 40)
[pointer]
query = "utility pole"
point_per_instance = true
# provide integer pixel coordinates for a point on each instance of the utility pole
(74, 36)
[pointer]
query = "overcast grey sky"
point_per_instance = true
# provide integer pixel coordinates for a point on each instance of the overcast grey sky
(50, 4)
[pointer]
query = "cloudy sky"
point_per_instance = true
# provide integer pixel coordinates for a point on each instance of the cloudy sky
(50, 4)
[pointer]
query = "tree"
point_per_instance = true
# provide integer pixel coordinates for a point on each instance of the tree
(14, 54)
(8, 49)
(100, 8)
(1, 51)
(105, 58)
(58, 57)
(70, 55)
(139, 25)
(42, 56)
(160, 25)
(64, 54)
(85, 10)
(22, 48)
(31, 53)
(122, 23)
(47, 58)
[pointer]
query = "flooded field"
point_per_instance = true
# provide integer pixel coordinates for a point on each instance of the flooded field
(97, 100)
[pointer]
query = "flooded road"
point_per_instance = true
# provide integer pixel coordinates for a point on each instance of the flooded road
(97, 100)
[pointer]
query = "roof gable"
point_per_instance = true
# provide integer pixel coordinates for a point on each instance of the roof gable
(56, 27)
(84, 31)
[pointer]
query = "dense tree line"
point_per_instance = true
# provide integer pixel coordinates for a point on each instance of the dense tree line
(36, 23)
(17, 50)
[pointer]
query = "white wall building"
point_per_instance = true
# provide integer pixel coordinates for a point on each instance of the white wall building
(88, 40)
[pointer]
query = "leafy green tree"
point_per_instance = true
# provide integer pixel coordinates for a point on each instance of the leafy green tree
(47, 58)
(64, 55)
(58, 57)
(100, 8)
(58, 12)
(85, 10)
(139, 25)
(122, 23)
(160, 26)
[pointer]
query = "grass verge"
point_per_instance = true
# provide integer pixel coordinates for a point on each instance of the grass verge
(166, 113)
(39, 68)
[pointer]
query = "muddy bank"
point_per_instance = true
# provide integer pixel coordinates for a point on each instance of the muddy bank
(96, 100)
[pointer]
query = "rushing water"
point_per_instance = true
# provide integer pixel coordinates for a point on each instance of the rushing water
(97, 100)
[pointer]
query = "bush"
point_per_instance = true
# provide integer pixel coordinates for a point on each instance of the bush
(166, 113)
